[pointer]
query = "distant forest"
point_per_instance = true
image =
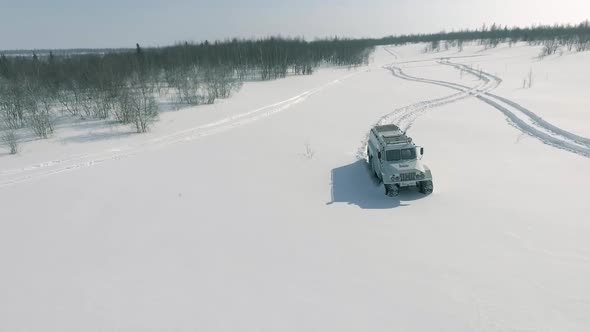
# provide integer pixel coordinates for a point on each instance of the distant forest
(123, 84)
(579, 33)
(553, 38)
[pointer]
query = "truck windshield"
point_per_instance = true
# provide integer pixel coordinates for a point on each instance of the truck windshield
(403, 154)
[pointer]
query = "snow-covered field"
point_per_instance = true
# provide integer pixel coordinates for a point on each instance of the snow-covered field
(258, 213)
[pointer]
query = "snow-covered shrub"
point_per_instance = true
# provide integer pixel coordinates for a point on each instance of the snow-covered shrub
(10, 140)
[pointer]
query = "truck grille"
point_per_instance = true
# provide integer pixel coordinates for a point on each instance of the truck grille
(408, 176)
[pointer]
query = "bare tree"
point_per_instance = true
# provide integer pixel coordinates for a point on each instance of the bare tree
(40, 123)
(549, 47)
(145, 109)
(105, 102)
(10, 140)
(137, 105)
(13, 104)
(40, 110)
(187, 83)
(220, 83)
(309, 153)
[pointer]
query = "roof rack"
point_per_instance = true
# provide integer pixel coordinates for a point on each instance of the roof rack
(391, 134)
(388, 128)
(397, 139)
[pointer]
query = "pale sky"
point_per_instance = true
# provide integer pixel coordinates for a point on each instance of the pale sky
(28, 24)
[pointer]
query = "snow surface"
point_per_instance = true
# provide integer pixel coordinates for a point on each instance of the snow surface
(258, 213)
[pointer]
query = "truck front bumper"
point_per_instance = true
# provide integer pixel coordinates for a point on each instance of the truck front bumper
(402, 183)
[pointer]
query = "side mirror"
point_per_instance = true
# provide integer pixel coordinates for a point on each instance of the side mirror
(421, 151)
(379, 155)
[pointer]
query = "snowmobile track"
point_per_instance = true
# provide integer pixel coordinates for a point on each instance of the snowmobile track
(526, 120)
(14, 176)
(405, 116)
(523, 119)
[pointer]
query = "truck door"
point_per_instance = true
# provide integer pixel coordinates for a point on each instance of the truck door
(380, 155)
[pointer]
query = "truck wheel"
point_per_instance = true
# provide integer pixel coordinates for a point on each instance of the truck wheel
(391, 190)
(426, 187)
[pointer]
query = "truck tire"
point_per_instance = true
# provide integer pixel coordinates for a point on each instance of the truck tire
(426, 187)
(391, 190)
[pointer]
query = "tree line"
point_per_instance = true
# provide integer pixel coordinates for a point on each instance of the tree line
(552, 37)
(124, 84)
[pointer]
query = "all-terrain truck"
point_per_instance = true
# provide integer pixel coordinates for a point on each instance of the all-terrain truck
(396, 160)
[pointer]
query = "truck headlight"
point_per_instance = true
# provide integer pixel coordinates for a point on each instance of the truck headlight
(420, 175)
(395, 177)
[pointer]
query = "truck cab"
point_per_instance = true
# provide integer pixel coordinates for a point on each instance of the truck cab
(396, 160)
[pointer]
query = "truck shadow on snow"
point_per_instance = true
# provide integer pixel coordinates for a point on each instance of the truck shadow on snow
(355, 184)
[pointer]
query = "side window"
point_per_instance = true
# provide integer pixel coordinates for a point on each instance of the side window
(373, 143)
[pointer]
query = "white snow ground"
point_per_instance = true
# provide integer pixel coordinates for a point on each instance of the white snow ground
(256, 214)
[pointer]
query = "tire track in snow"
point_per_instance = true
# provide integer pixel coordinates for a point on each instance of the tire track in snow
(406, 121)
(390, 51)
(405, 116)
(523, 119)
(533, 118)
(43, 169)
(41, 165)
